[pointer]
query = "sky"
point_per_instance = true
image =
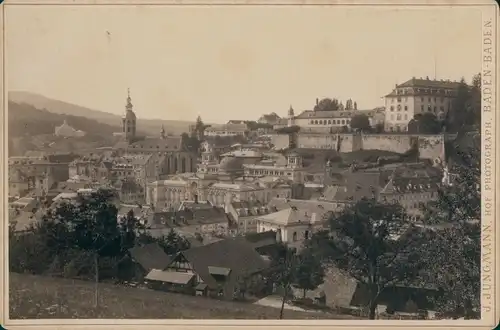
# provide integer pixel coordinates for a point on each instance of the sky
(233, 62)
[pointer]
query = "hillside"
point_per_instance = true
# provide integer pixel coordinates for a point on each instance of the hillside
(33, 129)
(25, 119)
(144, 126)
(45, 297)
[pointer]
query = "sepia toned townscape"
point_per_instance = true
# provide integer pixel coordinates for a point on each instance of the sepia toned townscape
(338, 210)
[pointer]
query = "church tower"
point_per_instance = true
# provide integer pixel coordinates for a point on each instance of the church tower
(129, 121)
(291, 117)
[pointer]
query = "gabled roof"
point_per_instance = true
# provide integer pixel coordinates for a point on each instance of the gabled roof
(320, 208)
(236, 255)
(259, 240)
(150, 256)
(156, 144)
(358, 185)
(398, 185)
(284, 217)
(428, 83)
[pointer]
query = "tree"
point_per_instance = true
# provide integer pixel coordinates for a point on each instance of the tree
(379, 128)
(349, 105)
(466, 106)
(426, 123)
(327, 104)
(373, 243)
(191, 143)
(173, 243)
(288, 130)
(361, 122)
(199, 129)
(88, 228)
(281, 272)
(309, 272)
(454, 258)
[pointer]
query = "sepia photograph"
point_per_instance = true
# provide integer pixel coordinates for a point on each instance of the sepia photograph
(249, 162)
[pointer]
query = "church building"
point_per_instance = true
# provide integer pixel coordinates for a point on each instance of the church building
(172, 156)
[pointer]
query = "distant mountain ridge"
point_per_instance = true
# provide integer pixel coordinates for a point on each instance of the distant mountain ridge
(145, 126)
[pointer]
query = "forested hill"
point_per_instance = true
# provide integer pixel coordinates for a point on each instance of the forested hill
(26, 120)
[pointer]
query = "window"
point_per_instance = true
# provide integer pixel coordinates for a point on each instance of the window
(329, 122)
(435, 109)
(399, 107)
(392, 108)
(429, 99)
(422, 107)
(422, 99)
(294, 237)
(406, 108)
(399, 117)
(306, 234)
(435, 100)
(429, 108)
(399, 99)
(392, 100)
(442, 99)
(406, 117)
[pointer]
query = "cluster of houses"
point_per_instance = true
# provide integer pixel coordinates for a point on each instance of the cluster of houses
(233, 202)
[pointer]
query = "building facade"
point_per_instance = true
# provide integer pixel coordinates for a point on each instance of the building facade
(227, 130)
(171, 155)
(418, 96)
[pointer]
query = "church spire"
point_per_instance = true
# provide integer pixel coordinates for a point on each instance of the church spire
(129, 105)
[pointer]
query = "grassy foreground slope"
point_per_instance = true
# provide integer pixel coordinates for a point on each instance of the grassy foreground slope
(45, 297)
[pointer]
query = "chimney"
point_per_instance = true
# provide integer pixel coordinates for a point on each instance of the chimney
(317, 101)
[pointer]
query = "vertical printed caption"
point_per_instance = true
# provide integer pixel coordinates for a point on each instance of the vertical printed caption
(488, 163)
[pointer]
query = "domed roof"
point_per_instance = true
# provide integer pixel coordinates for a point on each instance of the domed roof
(230, 164)
(129, 115)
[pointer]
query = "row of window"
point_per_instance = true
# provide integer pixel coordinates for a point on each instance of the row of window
(425, 90)
(429, 108)
(399, 107)
(398, 117)
(330, 122)
(422, 99)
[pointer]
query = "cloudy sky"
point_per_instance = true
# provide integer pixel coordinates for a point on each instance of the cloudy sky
(226, 62)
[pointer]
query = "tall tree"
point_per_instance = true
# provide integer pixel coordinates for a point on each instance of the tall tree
(309, 272)
(466, 106)
(361, 122)
(282, 271)
(454, 256)
(373, 243)
(349, 105)
(199, 127)
(426, 123)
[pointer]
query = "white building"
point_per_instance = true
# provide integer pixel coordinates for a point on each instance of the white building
(296, 220)
(418, 96)
(226, 130)
(335, 120)
(67, 131)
